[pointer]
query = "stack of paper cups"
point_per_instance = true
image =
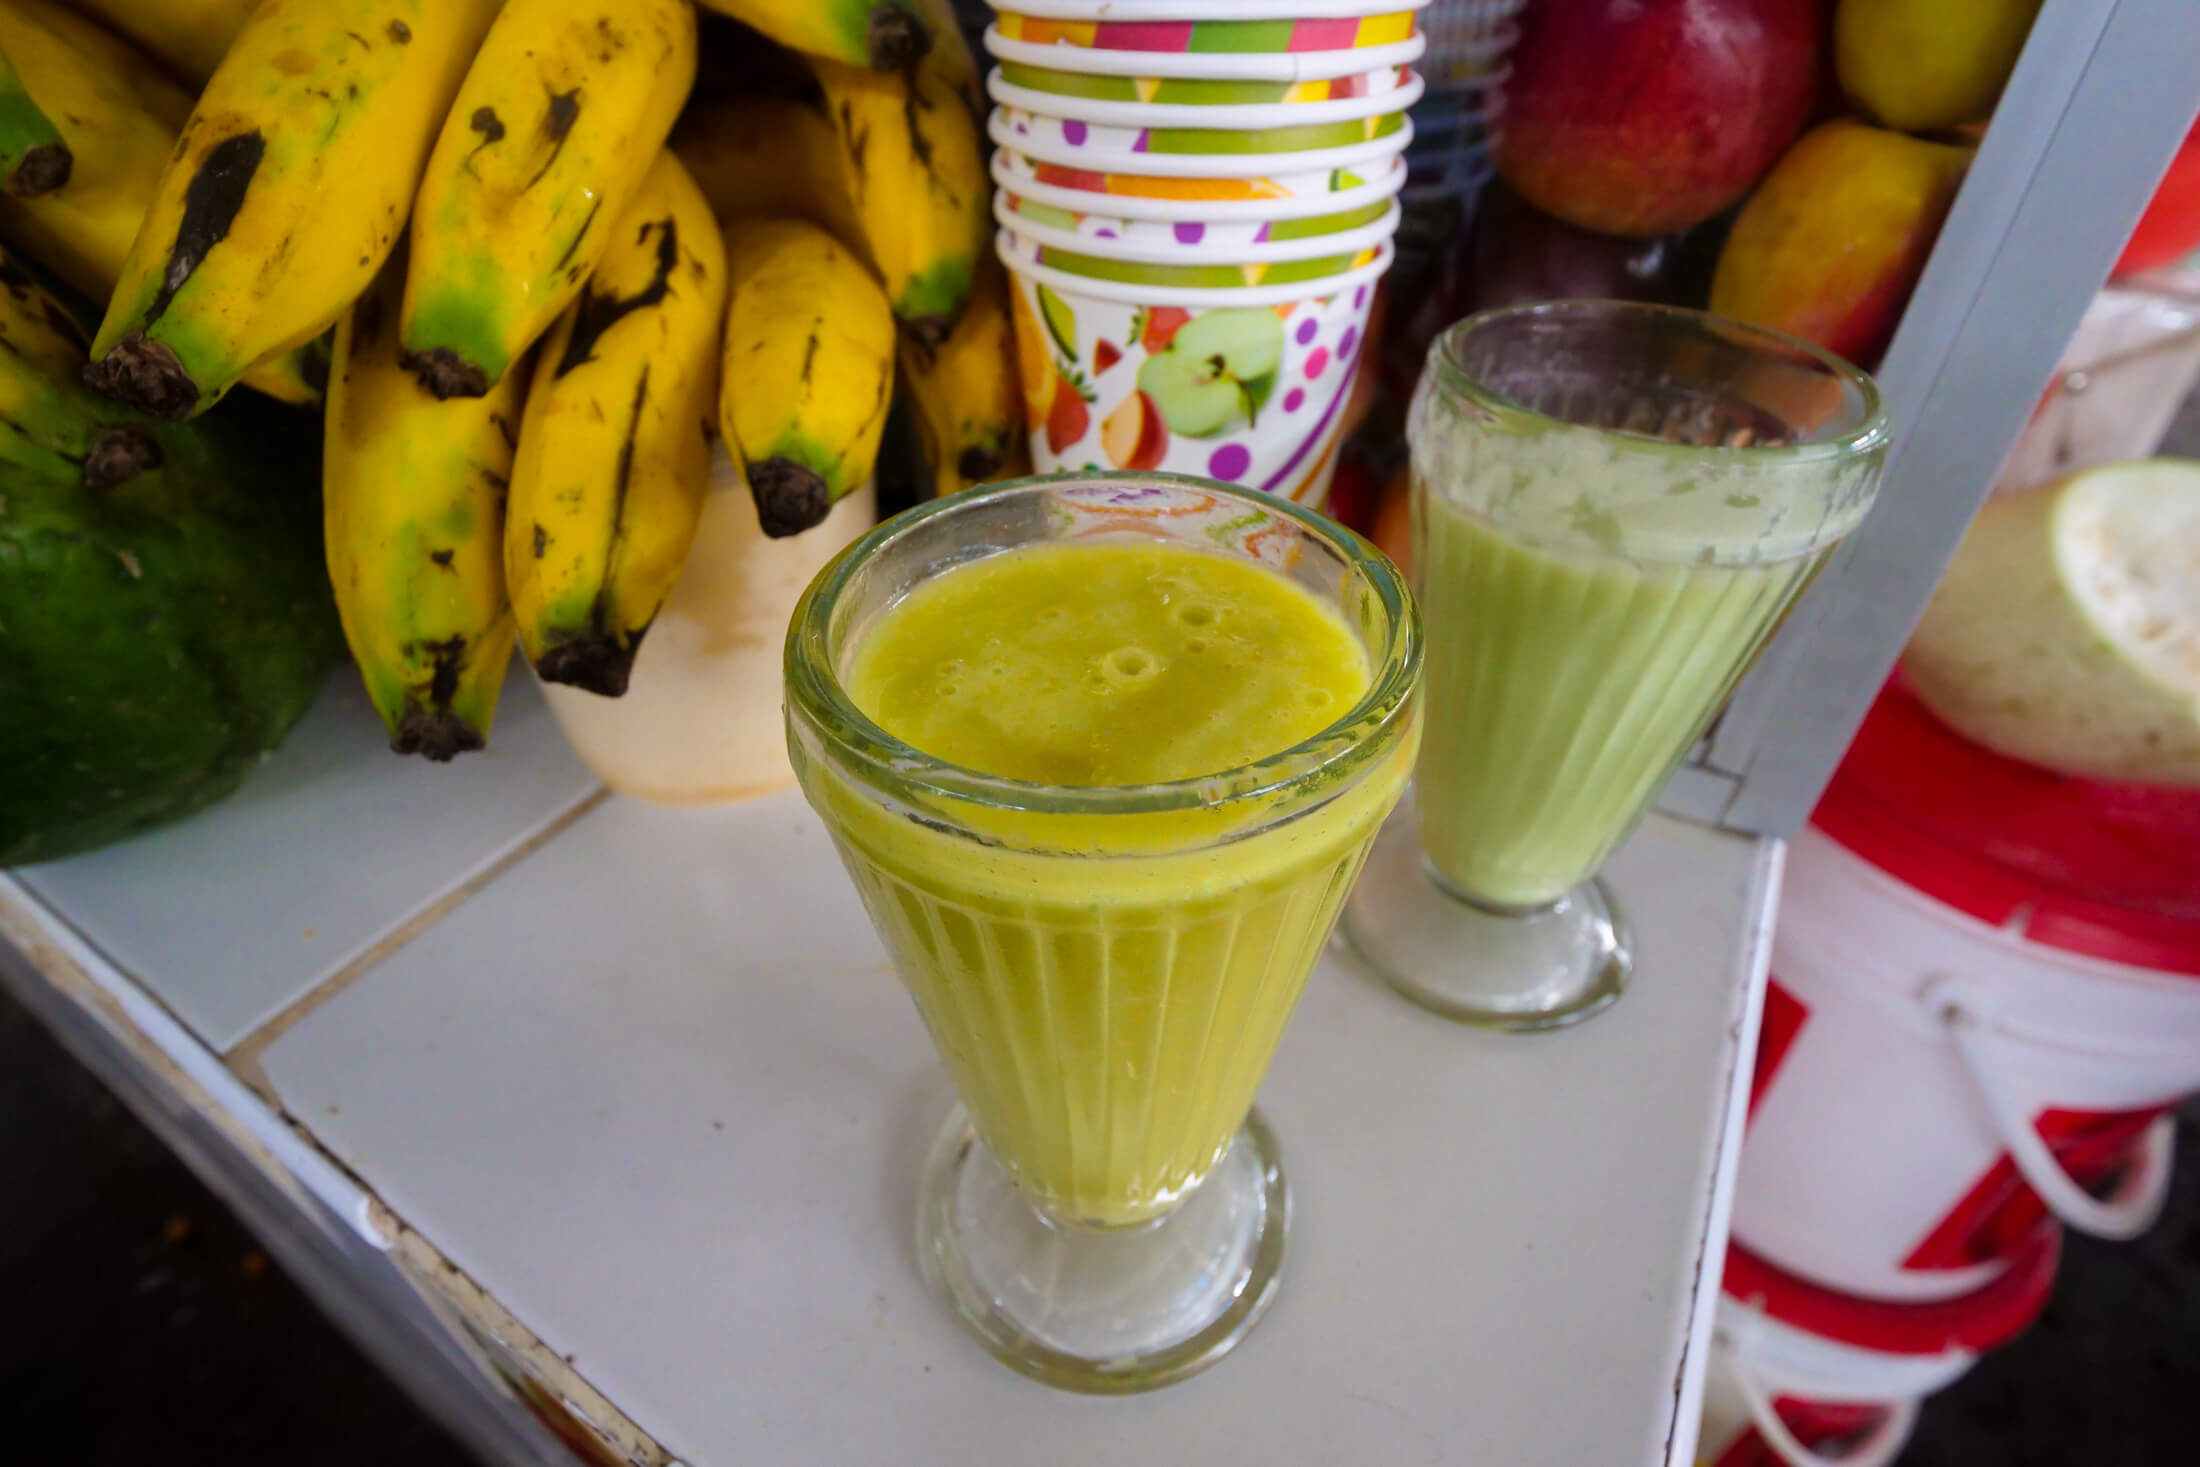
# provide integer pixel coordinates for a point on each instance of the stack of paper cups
(1196, 200)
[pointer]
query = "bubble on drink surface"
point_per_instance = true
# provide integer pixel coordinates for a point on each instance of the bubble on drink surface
(1129, 667)
(1196, 614)
(1317, 699)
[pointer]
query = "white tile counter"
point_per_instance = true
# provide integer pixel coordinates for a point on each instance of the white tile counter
(655, 1090)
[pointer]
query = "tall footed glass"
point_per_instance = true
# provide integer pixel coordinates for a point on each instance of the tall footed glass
(1612, 506)
(1106, 968)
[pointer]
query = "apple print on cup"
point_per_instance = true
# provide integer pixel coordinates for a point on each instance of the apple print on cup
(1247, 386)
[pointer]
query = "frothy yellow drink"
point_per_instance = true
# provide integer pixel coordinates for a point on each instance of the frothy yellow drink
(1108, 988)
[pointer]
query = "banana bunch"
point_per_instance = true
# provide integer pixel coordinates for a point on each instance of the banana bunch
(287, 191)
(560, 115)
(809, 370)
(531, 275)
(613, 454)
(413, 491)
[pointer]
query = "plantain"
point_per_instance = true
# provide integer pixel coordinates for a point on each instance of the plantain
(190, 36)
(910, 161)
(33, 158)
(887, 34)
(82, 228)
(808, 369)
(967, 395)
(413, 494)
(614, 453)
(285, 194)
(561, 113)
(768, 158)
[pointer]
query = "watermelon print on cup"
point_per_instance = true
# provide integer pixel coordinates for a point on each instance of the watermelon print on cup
(1146, 194)
(1247, 386)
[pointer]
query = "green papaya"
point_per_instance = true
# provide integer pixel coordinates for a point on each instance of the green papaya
(165, 618)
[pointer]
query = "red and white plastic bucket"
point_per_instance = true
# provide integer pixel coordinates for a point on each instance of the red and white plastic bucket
(1807, 1377)
(1985, 1005)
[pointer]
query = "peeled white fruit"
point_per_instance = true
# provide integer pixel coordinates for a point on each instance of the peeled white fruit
(2067, 630)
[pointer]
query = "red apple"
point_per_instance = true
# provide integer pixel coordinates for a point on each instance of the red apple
(1133, 436)
(1642, 117)
(1159, 326)
(1069, 417)
(1521, 254)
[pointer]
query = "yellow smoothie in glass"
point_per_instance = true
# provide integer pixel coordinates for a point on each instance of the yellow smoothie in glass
(1107, 989)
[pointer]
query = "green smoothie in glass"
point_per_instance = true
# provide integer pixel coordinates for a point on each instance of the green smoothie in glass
(1612, 506)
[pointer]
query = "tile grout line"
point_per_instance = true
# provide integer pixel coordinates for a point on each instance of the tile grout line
(244, 1056)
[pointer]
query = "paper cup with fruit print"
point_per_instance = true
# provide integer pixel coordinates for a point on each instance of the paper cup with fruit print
(1146, 195)
(1169, 154)
(1195, 247)
(1214, 239)
(1078, 89)
(1348, 192)
(1247, 386)
(1148, 67)
(1211, 27)
(1191, 127)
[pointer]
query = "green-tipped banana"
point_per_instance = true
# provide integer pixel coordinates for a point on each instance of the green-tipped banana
(562, 112)
(33, 158)
(413, 491)
(613, 459)
(887, 34)
(909, 157)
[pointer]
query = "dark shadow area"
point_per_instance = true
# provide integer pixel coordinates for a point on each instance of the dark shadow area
(140, 1323)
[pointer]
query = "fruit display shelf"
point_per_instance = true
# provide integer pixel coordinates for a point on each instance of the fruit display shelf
(607, 1118)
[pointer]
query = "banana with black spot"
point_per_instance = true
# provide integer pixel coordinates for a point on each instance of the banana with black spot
(413, 492)
(288, 189)
(808, 369)
(614, 455)
(562, 112)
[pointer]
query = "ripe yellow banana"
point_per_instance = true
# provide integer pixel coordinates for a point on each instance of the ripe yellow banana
(144, 80)
(909, 157)
(968, 398)
(82, 228)
(561, 113)
(288, 189)
(190, 35)
(887, 34)
(809, 369)
(613, 453)
(768, 158)
(951, 55)
(33, 158)
(413, 498)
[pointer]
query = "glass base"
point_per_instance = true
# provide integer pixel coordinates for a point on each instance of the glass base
(1104, 1310)
(1519, 970)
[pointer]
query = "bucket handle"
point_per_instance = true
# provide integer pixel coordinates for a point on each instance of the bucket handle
(1879, 1449)
(2139, 1196)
